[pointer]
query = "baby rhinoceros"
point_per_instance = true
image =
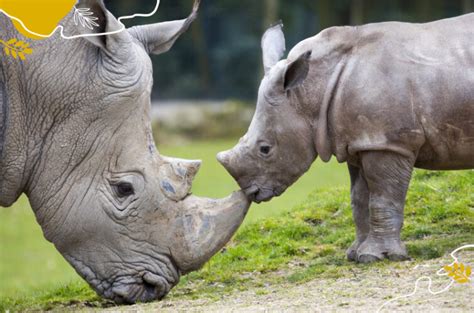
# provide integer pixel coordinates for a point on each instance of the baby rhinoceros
(384, 98)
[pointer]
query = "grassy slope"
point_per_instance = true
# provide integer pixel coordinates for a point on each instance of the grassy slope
(310, 240)
(31, 269)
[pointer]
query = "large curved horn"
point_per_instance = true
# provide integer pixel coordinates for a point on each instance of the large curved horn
(205, 226)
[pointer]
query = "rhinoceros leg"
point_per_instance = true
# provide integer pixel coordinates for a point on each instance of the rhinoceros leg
(388, 176)
(360, 209)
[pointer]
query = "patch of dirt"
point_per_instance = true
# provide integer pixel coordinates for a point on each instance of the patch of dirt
(366, 290)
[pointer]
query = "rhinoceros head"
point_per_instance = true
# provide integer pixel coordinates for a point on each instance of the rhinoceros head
(277, 148)
(116, 209)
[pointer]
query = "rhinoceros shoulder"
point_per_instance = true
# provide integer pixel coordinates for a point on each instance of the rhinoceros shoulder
(336, 41)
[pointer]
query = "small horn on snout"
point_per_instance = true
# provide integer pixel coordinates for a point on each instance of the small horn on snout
(228, 160)
(176, 176)
(187, 169)
(223, 158)
(193, 167)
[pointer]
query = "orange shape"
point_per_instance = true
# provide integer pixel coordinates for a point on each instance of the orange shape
(39, 16)
(459, 272)
(16, 48)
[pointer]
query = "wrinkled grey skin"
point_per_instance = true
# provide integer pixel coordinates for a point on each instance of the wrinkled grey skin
(76, 138)
(384, 98)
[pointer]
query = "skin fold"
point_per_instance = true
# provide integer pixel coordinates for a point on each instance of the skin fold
(384, 98)
(76, 139)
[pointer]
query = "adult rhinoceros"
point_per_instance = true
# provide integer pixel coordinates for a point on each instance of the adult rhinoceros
(76, 138)
(382, 97)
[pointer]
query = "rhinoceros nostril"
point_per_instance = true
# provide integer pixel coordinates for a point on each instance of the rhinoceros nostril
(250, 191)
(150, 290)
(155, 284)
(264, 194)
(121, 294)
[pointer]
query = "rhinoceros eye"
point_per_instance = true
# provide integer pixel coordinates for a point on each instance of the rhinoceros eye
(265, 149)
(124, 189)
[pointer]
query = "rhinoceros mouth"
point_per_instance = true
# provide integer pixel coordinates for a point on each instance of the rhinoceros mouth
(151, 287)
(259, 194)
(141, 286)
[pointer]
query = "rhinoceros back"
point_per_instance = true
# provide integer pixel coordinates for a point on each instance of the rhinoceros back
(409, 90)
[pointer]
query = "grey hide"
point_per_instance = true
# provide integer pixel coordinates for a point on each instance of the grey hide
(384, 98)
(76, 138)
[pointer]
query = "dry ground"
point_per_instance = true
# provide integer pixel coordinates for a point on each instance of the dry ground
(363, 291)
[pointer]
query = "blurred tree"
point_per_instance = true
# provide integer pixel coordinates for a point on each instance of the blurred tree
(428, 10)
(326, 14)
(220, 57)
(270, 12)
(467, 6)
(200, 45)
(357, 12)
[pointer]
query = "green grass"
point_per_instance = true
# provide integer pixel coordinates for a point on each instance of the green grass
(310, 240)
(28, 263)
(275, 245)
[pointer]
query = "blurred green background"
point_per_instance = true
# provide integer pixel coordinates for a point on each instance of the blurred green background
(216, 64)
(219, 57)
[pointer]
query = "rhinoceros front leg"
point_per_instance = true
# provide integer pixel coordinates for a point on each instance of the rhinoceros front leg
(360, 209)
(388, 176)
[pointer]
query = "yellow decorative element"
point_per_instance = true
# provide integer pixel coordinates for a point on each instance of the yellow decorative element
(459, 272)
(16, 48)
(40, 16)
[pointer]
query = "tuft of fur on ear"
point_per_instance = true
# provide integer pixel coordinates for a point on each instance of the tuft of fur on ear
(297, 71)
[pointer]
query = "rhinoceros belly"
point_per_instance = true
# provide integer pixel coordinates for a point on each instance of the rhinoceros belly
(450, 144)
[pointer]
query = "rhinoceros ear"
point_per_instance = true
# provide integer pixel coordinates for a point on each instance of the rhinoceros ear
(159, 38)
(296, 71)
(273, 46)
(91, 17)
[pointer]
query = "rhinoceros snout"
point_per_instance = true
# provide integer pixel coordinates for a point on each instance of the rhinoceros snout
(262, 195)
(153, 287)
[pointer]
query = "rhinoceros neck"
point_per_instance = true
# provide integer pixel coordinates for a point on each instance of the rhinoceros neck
(322, 140)
(328, 63)
(39, 96)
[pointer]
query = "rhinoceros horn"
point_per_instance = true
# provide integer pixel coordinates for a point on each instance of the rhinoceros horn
(200, 226)
(205, 226)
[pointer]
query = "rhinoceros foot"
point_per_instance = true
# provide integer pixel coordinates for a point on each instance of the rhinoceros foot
(376, 249)
(351, 253)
